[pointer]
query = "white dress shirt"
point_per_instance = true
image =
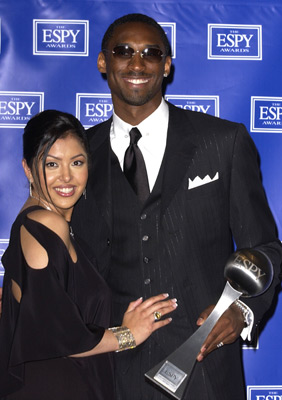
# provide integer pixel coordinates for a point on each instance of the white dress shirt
(152, 143)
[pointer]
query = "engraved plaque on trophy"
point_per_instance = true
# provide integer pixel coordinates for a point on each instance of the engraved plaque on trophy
(249, 273)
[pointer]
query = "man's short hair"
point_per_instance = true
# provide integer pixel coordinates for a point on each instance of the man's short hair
(136, 18)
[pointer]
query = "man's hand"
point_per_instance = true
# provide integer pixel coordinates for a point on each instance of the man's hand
(227, 329)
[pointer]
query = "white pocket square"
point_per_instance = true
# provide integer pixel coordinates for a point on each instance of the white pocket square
(193, 183)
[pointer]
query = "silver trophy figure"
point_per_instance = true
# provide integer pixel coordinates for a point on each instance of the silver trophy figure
(249, 273)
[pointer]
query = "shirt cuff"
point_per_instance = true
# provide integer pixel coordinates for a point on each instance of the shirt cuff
(246, 332)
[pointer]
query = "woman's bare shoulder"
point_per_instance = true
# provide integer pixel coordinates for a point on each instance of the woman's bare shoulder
(51, 220)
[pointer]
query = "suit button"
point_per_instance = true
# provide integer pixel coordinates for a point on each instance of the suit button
(146, 260)
(147, 281)
(145, 238)
(108, 242)
(143, 216)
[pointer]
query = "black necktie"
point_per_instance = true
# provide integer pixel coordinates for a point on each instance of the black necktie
(134, 167)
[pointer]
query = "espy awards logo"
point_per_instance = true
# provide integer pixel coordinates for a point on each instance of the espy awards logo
(170, 30)
(93, 108)
(234, 42)
(266, 114)
(261, 392)
(204, 104)
(3, 246)
(16, 108)
(60, 37)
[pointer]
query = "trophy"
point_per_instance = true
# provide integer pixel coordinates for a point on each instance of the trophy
(249, 273)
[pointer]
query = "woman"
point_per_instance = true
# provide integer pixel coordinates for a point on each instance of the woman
(55, 340)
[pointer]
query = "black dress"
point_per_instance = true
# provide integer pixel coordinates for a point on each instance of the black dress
(64, 310)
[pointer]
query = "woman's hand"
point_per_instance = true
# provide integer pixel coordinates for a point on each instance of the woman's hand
(140, 319)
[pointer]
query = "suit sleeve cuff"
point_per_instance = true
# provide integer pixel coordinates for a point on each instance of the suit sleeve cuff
(248, 319)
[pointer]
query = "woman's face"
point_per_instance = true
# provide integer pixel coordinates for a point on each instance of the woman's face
(66, 169)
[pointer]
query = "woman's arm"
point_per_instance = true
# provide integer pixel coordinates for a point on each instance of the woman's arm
(140, 320)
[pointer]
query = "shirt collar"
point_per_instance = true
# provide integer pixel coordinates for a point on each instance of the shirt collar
(121, 128)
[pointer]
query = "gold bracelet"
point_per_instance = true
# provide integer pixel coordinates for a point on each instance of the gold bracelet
(124, 337)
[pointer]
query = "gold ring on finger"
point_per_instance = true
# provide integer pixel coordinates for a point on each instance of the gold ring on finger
(157, 315)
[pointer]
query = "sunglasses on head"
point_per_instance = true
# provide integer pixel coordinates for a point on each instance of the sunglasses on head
(150, 54)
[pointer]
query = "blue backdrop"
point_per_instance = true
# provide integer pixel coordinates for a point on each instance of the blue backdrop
(227, 62)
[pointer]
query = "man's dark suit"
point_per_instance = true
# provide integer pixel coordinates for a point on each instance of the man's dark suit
(195, 228)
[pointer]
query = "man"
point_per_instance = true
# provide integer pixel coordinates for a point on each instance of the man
(178, 237)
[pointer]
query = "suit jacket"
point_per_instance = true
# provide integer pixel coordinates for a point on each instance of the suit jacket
(212, 196)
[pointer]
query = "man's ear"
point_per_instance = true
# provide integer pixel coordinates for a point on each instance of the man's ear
(101, 63)
(167, 65)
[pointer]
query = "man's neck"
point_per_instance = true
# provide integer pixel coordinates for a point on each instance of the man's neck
(134, 115)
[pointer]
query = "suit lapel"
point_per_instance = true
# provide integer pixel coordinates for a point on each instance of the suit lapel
(180, 149)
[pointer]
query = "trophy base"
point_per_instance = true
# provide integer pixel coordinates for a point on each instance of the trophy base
(169, 378)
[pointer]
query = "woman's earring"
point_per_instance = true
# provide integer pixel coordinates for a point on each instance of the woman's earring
(165, 75)
(30, 189)
(84, 193)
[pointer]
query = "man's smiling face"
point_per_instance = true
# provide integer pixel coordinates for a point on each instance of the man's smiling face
(135, 81)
